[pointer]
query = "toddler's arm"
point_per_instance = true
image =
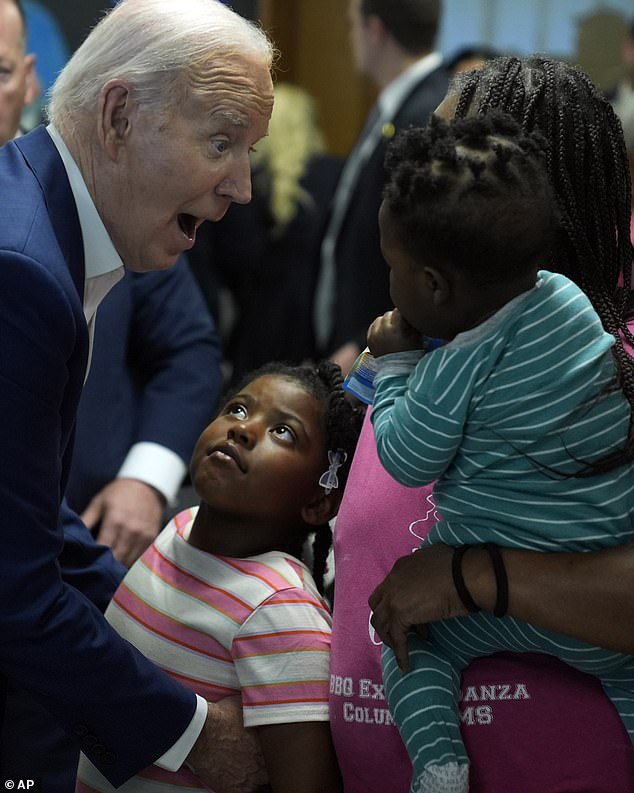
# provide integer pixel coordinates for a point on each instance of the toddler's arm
(418, 424)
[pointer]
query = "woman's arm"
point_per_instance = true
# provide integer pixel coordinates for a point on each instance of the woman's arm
(586, 595)
(589, 596)
(300, 757)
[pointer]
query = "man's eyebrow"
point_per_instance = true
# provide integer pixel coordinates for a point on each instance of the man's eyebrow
(231, 117)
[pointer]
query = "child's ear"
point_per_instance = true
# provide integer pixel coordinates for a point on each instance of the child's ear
(436, 284)
(322, 508)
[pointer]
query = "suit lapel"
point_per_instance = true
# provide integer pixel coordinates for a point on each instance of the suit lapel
(44, 161)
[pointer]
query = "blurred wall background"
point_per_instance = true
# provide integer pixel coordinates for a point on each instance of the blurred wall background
(312, 37)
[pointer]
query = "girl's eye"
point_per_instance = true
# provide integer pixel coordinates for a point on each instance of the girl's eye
(237, 410)
(285, 433)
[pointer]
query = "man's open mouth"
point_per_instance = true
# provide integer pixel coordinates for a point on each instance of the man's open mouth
(187, 225)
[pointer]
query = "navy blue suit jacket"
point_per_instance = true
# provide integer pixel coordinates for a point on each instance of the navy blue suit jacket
(154, 376)
(362, 275)
(53, 641)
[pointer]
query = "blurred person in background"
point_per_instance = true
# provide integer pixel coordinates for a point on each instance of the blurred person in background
(622, 95)
(19, 86)
(393, 45)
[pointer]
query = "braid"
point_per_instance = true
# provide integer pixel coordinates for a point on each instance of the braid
(343, 420)
(588, 169)
(343, 426)
(469, 85)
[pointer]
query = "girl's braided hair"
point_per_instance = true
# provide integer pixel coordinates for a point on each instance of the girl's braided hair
(473, 194)
(588, 169)
(342, 426)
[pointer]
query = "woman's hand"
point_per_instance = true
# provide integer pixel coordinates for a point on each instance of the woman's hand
(420, 589)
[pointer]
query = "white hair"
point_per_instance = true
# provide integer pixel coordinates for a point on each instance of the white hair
(154, 44)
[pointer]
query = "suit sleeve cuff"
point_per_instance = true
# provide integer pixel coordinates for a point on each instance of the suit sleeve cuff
(157, 466)
(174, 758)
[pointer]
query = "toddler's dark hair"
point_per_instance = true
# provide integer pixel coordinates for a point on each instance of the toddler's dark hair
(472, 194)
(342, 426)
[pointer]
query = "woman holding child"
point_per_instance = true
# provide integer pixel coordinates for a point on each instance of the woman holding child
(530, 723)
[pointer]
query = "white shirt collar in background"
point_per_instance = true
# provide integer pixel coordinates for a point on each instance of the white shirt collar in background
(393, 95)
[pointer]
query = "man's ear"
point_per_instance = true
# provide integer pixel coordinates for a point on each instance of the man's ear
(322, 508)
(115, 116)
(436, 284)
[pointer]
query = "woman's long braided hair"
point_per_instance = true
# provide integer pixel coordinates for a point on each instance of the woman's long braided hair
(342, 426)
(588, 168)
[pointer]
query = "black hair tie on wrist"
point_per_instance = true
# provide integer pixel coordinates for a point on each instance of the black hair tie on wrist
(501, 579)
(461, 588)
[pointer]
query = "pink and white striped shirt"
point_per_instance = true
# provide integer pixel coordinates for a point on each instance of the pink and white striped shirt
(256, 627)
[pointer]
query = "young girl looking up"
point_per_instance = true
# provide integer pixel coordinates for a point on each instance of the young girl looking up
(520, 417)
(221, 599)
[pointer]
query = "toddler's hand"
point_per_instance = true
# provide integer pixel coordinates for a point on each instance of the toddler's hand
(392, 333)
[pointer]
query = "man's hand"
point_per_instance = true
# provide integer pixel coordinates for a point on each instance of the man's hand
(226, 757)
(392, 333)
(129, 514)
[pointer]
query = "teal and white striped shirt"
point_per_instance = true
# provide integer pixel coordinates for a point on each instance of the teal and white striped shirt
(497, 415)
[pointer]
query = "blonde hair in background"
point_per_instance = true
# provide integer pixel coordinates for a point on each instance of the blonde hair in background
(294, 137)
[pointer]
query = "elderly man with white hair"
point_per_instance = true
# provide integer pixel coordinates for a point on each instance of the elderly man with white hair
(151, 123)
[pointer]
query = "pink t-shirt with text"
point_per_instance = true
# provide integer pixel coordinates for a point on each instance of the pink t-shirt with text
(531, 724)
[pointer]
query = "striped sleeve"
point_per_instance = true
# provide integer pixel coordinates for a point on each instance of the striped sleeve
(523, 373)
(418, 420)
(282, 654)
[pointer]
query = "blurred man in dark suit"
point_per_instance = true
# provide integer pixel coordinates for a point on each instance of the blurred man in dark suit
(393, 44)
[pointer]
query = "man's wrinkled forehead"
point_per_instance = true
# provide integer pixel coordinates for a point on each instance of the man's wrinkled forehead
(237, 88)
